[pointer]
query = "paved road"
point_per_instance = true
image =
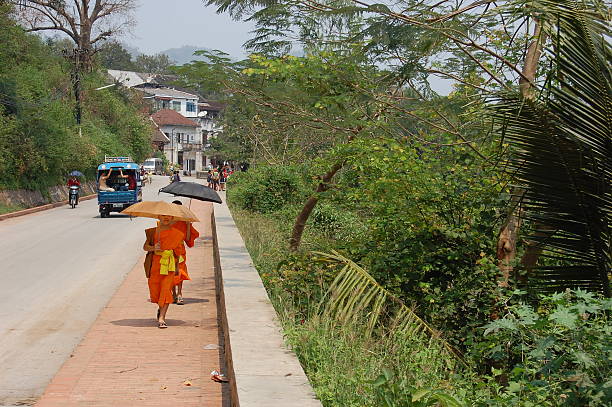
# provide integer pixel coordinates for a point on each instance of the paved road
(58, 269)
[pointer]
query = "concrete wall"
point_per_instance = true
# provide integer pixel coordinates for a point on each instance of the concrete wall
(29, 199)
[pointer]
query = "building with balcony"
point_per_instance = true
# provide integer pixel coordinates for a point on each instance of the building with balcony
(185, 139)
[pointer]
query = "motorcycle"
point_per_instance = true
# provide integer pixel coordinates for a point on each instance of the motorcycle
(73, 196)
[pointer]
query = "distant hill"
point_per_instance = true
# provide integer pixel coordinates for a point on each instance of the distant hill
(184, 54)
(179, 56)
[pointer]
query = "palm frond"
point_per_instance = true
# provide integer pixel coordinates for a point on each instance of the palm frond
(562, 150)
(355, 296)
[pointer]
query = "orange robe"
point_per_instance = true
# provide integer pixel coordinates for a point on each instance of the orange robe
(160, 286)
(182, 226)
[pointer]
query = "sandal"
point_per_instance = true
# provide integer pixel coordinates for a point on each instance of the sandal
(162, 325)
(179, 300)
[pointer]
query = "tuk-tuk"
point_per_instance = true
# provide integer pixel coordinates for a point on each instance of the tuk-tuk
(119, 184)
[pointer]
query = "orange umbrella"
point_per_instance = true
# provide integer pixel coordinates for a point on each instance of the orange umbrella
(155, 209)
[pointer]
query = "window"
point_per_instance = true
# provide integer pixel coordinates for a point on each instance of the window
(191, 107)
(176, 106)
(162, 104)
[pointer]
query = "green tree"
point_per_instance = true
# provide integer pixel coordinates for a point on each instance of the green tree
(158, 63)
(112, 55)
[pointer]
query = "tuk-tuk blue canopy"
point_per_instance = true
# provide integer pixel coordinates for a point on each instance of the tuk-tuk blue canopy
(123, 166)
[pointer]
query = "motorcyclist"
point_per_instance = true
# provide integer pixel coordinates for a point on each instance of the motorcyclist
(74, 182)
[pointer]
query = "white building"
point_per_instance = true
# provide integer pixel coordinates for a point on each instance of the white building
(208, 118)
(185, 139)
(167, 98)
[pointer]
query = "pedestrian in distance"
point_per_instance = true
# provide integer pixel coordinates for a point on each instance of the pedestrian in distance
(191, 234)
(166, 244)
(222, 179)
(209, 179)
(215, 179)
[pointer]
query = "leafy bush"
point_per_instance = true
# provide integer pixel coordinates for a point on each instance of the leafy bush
(392, 391)
(266, 189)
(338, 223)
(558, 353)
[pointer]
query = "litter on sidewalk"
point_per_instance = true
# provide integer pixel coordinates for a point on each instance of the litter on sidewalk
(216, 376)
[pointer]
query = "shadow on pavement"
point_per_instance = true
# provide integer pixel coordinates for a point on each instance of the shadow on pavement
(146, 322)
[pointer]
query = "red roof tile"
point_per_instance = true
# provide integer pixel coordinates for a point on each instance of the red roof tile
(167, 117)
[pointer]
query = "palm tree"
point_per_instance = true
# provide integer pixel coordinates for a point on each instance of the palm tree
(561, 149)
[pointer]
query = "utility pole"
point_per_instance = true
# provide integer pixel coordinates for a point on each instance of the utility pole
(75, 57)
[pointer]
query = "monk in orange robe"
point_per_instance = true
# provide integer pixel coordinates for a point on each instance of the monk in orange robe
(167, 246)
(191, 234)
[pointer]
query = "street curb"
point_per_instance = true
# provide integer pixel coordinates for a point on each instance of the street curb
(42, 208)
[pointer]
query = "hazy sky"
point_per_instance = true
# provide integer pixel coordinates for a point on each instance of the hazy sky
(164, 24)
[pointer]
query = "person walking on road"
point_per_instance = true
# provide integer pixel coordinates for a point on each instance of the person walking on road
(191, 234)
(215, 179)
(222, 179)
(209, 179)
(166, 244)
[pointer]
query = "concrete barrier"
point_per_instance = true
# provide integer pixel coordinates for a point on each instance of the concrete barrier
(263, 370)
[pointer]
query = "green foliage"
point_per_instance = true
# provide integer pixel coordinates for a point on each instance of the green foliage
(267, 189)
(9, 208)
(39, 139)
(157, 63)
(208, 77)
(561, 150)
(112, 55)
(336, 223)
(341, 362)
(557, 353)
(394, 392)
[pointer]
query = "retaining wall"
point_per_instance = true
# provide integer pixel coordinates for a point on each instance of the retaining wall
(30, 199)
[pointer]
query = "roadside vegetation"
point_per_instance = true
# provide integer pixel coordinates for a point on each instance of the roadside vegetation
(496, 347)
(9, 208)
(428, 248)
(40, 140)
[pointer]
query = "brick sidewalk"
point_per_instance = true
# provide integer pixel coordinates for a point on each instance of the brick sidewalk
(125, 360)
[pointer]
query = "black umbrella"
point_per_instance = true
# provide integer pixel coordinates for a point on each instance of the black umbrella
(76, 174)
(192, 190)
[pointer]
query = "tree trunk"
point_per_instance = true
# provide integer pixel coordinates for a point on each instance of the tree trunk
(508, 236)
(302, 218)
